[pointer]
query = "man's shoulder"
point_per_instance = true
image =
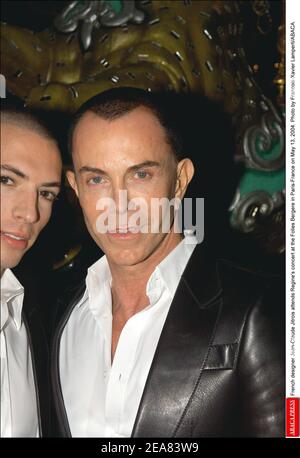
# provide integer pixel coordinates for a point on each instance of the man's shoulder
(32, 309)
(68, 299)
(244, 277)
(251, 291)
(249, 300)
(211, 276)
(230, 270)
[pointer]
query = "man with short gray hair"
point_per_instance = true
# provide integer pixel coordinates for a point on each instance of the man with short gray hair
(163, 338)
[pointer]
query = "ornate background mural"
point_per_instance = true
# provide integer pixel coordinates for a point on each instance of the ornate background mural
(55, 55)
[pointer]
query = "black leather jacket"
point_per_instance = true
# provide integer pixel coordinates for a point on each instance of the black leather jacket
(219, 367)
(39, 348)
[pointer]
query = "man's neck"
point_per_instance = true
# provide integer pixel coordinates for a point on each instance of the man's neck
(129, 282)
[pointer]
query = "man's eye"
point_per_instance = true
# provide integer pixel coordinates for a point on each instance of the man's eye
(142, 174)
(48, 195)
(95, 180)
(6, 180)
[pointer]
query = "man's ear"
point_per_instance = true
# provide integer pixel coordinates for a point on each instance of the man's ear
(185, 172)
(72, 181)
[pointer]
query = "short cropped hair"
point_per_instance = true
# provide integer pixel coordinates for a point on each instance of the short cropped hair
(22, 117)
(115, 103)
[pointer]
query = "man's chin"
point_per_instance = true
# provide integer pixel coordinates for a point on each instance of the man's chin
(11, 264)
(124, 257)
(10, 260)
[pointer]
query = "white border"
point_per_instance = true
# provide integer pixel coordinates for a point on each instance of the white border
(292, 198)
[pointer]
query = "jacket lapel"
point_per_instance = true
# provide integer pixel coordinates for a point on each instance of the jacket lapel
(40, 362)
(182, 349)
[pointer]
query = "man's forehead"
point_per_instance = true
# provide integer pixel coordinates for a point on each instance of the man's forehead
(128, 133)
(134, 137)
(138, 115)
(25, 149)
(13, 130)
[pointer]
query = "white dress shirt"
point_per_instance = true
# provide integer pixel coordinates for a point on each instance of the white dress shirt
(101, 398)
(18, 396)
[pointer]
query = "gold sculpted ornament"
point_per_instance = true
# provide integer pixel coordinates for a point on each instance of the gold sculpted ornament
(177, 45)
(180, 45)
(170, 45)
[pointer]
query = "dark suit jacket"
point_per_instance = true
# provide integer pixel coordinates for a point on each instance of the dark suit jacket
(218, 370)
(40, 359)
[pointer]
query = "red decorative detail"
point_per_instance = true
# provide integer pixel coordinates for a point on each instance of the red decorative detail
(292, 417)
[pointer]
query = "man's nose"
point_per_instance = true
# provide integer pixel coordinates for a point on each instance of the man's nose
(26, 207)
(120, 196)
